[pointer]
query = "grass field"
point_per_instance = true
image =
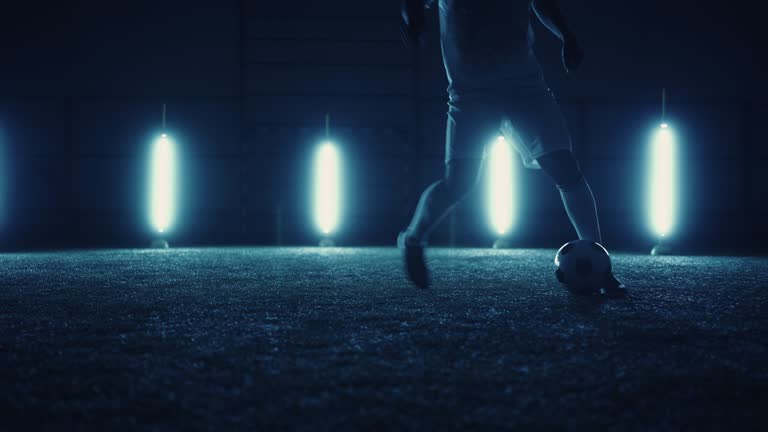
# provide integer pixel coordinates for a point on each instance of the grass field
(335, 339)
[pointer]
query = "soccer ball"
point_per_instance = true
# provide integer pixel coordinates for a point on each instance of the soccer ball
(582, 266)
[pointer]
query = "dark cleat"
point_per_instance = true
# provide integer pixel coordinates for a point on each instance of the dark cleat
(613, 287)
(414, 261)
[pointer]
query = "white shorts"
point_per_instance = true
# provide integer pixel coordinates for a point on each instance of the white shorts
(530, 120)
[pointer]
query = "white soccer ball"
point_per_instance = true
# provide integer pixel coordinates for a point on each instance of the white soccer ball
(582, 266)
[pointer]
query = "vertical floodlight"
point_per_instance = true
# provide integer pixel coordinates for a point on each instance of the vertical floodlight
(162, 184)
(662, 188)
(327, 187)
(501, 189)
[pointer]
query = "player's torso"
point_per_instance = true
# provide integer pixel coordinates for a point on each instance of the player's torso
(486, 39)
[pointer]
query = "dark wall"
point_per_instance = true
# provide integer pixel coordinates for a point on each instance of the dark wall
(248, 84)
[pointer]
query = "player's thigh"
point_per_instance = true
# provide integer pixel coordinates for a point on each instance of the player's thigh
(538, 126)
(462, 175)
(469, 129)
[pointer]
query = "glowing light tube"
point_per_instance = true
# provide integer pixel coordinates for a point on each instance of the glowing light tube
(327, 188)
(501, 189)
(162, 183)
(662, 195)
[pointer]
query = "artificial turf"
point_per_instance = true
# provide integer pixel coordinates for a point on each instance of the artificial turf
(336, 339)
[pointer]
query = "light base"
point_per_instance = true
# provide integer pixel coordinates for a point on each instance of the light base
(661, 249)
(502, 243)
(326, 242)
(159, 244)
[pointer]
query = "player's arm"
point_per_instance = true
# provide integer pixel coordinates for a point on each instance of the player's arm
(549, 13)
(413, 13)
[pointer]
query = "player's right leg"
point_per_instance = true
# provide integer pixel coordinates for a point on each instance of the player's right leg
(575, 192)
(579, 203)
(541, 135)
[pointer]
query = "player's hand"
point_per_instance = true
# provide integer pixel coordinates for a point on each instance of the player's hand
(573, 55)
(413, 23)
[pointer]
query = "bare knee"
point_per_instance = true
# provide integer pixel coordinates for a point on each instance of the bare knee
(461, 177)
(562, 167)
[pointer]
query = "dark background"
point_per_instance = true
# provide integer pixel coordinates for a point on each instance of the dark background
(248, 83)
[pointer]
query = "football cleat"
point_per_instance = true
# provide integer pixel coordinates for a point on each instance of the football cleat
(414, 261)
(613, 287)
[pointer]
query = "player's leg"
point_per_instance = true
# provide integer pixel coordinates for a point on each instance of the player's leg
(437, 201)
(575, 192)
(539, 133)
(435, 204)
(541, 137)
(579, 203)
(467, 131)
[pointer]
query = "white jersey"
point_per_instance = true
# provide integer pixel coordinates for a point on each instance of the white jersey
(488, 46)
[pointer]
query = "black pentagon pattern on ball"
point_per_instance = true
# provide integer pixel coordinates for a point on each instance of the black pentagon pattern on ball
(583, 267)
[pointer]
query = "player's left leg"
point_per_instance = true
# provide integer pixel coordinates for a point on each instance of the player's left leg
(436, 202)
(461, 177)
(469, 127)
